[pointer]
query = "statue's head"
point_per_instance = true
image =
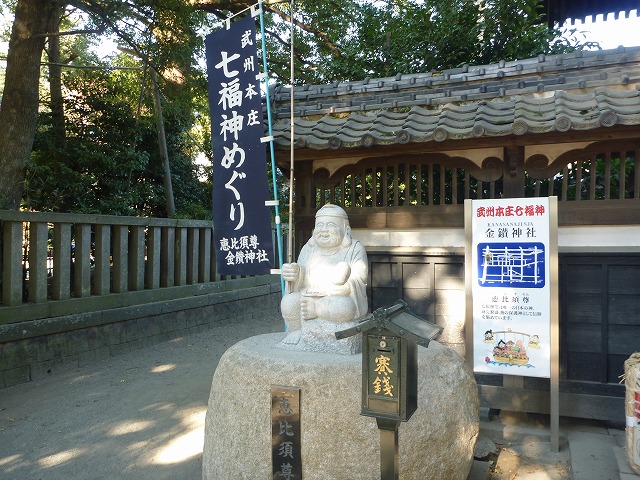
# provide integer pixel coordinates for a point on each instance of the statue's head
(332, 227)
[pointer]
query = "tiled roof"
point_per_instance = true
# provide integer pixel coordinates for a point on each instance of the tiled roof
(577, 91)
(557, 11)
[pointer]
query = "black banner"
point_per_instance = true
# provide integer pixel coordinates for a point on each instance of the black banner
(241, 222)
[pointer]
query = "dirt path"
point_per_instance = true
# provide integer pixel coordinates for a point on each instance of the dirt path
(136, 416)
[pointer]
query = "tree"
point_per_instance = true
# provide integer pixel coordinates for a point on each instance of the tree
(110, 162)
(34, 21)
(55, 79)
(334, 41)
(351, 39)
(19, 107)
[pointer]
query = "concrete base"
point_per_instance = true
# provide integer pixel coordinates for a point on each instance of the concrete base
(337, 442)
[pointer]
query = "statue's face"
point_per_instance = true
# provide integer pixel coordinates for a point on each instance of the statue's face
(329, 231)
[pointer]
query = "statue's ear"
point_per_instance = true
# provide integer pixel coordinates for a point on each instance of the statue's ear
(346, 240)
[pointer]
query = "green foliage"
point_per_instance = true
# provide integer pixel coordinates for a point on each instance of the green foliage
(111, 161)
(413, 36)
(599, 178)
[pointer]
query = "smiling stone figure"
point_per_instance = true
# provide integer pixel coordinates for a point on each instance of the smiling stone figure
(327, 286)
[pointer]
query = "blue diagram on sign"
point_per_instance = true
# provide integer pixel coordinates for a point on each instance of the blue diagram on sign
(519, 265)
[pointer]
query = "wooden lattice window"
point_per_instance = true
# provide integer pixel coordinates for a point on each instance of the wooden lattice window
(591, 174)
(403, 184)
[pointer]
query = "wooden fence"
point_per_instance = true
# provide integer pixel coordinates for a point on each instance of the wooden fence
(51, 256)
(76, 288)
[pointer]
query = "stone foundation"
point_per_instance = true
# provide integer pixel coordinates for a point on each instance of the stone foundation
(337, 442)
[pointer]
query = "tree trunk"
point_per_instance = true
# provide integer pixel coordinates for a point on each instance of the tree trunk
(162, 144)
(19, 108)
(55, 82)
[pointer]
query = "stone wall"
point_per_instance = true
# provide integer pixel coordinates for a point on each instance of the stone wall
(77, 339)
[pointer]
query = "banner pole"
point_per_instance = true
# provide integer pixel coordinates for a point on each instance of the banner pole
(271, 147)
(291, 166)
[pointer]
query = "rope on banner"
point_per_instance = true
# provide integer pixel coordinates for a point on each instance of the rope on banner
(256, 9)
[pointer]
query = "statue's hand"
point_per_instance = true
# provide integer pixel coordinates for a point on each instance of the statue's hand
(290, 272)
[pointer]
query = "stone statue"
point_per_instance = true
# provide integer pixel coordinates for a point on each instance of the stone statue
(326, 287)
(326, 294)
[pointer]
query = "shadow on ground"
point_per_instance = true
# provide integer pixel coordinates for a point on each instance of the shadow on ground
(136, 416)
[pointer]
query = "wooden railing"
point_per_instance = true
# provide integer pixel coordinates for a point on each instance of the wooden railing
(50, 257)
(405, 185)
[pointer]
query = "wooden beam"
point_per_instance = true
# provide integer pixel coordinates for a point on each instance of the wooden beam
(537, 401)
(352, 155)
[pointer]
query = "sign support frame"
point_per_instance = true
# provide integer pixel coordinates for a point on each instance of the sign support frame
(554, 317)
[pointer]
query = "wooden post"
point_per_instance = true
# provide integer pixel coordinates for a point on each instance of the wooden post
(62, 261)
(181, 256)
(513, 175)
(102, 276)
(204, 263)
(136, 257)
(153, 258)
(82, 260)
(38, 262)
(12, 268)
(193, 250)
(167, 257)
(120, 258)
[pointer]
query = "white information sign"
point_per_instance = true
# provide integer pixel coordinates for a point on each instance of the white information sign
(511, 286)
